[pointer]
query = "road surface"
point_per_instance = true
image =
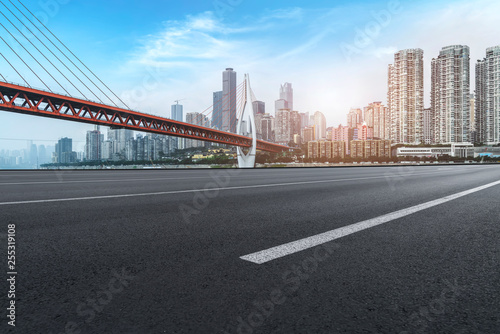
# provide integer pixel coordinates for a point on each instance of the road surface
(330, 250)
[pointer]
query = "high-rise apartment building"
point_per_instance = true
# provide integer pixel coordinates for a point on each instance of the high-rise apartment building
(267, 127)
(196, 118)
(377, 117)
(428, 126)
(406, 96)
(283, 126)
(308, 134)
(354, 117)
(450, 95)
(487, 102)
(229, 100)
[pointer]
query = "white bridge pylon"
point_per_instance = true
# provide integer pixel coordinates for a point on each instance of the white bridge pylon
(246, 123)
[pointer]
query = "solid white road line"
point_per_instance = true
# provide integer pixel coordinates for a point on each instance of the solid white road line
(319, 239)
(208, 189)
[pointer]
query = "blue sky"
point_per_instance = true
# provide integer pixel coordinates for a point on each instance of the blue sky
(335, 53)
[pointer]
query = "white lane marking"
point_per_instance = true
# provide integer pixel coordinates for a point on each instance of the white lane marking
(211, 189)
(319, 239)
(207, 189)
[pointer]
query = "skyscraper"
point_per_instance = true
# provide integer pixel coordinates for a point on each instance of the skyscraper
(118, 139)
(450, 94)
(94, 145)
(177, 114)
(64, 151)
(304, 119)
(320, 125)
(286, 93)
(487, 103)
(229, 100)
(259, 107)
(406, 96)
(217, 111)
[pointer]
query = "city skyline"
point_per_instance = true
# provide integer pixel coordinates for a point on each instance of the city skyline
(333, 97)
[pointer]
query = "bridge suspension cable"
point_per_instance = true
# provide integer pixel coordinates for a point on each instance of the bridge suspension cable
(18, 56)
(8, 62)
(64, 45)
(54, 56)
(30, 52)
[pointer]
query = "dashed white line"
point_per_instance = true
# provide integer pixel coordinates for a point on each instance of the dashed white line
(319, 239)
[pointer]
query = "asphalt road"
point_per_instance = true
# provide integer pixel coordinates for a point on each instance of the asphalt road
(164, 251)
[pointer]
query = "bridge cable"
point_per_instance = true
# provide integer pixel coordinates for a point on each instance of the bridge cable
(211, 112)
(5, 80)
(33, 57)
(77, 59)
(66, 58)
(24, 64)
(40, 53)
(53, 55)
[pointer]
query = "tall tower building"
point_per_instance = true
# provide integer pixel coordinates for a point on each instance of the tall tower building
(406, 96)
(259, 107)
(93, 145)
(229, 100)
(487, 102)
(177, 114)
(217, 110)
(64, 151)
(320, 125)
(286, 93)
(450, 95)
(304, 119)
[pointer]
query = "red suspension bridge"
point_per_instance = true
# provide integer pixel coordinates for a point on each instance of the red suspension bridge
(30, 36)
